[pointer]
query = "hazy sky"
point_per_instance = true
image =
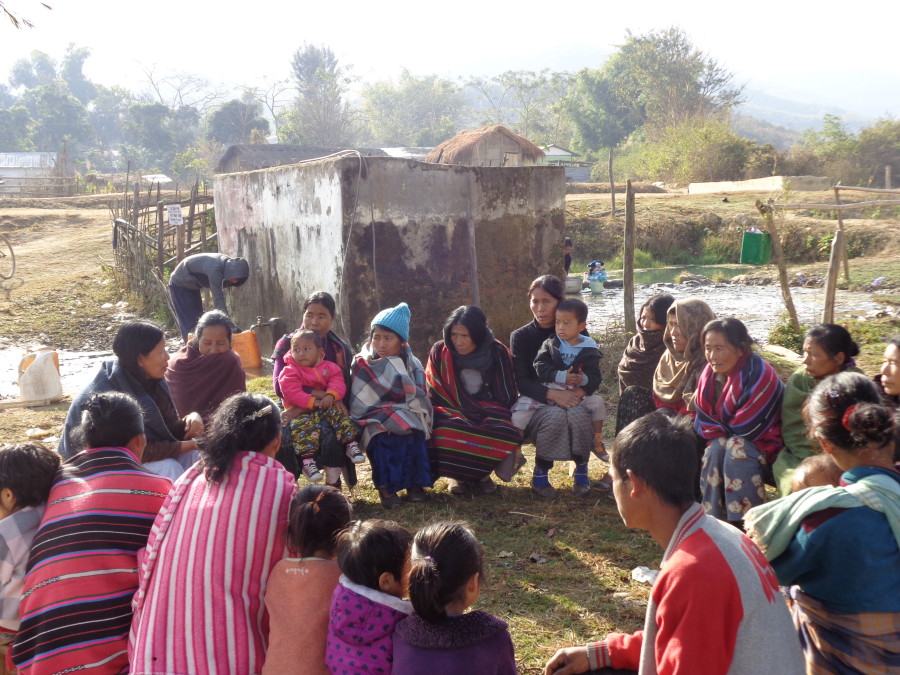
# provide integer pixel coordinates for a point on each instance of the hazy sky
(781, 46)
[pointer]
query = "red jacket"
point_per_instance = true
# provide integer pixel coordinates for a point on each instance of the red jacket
(296, 382)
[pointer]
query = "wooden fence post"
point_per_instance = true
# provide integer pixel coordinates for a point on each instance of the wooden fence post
(768, 213)
(834, 267)
(160, 244)
(473, 262)
(628, 261)
(843, 252)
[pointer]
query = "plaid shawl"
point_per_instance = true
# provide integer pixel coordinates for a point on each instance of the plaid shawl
(388, 394)
(749, 407)
(833, 642)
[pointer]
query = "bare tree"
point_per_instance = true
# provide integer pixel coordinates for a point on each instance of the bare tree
(274, 98)
(180, 90)
(17, 20)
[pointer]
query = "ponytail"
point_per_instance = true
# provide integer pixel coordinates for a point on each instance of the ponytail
(444, 557)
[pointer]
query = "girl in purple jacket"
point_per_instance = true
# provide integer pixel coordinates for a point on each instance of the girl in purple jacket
(441, 638)
(368, 601)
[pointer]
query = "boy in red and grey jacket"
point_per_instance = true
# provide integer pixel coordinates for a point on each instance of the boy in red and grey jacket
(310, 386)
(715, 607)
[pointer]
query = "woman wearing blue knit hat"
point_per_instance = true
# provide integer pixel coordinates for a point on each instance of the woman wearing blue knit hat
(391, 405)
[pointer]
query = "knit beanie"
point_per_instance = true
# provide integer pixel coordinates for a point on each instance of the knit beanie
(395, 318)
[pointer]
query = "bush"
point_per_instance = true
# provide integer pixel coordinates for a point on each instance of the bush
(784, 335)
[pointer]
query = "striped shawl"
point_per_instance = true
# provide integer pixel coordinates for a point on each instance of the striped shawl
(82, 575)
(749, 406)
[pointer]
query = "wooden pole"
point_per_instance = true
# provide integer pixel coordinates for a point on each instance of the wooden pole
(473, 263)
(768, 213)
(834, 268)
(612, 185)
(887, 176)
(843, 251)
(160, 244)
(628, 261)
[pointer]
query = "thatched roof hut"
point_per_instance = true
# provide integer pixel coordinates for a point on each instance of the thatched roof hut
(488, 146)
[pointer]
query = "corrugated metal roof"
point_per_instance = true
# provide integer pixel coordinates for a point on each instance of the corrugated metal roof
(28, 160)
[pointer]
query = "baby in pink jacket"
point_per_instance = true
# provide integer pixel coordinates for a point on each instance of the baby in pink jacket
(310, 388)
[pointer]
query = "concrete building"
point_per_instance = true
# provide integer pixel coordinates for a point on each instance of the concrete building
(385, 230)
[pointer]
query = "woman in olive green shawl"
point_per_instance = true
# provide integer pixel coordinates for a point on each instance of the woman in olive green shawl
(827, 349)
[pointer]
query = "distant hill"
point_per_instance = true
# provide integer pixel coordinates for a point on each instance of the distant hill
(793, 114)
(764, 132)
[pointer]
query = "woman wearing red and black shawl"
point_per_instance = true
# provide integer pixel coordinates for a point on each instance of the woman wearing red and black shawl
(738, 402)
(472, 388)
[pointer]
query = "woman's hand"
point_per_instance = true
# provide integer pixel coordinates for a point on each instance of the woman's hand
(187, 446)
(326, 402)
(193, 426)
(290, 414)
(565, 399)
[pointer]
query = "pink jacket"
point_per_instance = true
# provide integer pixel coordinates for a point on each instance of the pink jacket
(297, 381)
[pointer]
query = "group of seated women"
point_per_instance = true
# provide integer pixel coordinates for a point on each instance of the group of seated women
(835, 545)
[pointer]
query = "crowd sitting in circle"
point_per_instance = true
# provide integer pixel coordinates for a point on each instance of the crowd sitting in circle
(702, 421)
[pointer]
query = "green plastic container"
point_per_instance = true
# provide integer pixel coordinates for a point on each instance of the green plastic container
(756, 248)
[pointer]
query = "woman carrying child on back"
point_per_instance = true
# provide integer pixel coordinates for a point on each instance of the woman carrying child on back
(568, 361)
(368, 602)
(441, 638)
(299, 589)
(390, 403)
(310, 388)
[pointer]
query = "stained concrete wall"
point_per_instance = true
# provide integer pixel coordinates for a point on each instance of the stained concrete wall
(403, 227)
(770, 183)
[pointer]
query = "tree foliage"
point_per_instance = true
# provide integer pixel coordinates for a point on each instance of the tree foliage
(235, 121)
(58, 117)
(321, 114)
(417, 111)
(72, 72)
(666, 80)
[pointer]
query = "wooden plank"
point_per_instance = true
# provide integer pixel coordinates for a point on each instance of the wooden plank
(843, 252)
(865, 189)
(628, 261)
(834, 269)
(836, 207)
(160, 233)
(473, 263)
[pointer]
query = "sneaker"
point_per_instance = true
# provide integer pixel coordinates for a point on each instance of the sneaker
(582, 484)
(354, 453)
(311, 471)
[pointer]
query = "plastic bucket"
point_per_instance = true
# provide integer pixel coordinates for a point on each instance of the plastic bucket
(39, 376)
(247, 347)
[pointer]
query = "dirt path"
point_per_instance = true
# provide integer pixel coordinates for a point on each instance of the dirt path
(60, 286)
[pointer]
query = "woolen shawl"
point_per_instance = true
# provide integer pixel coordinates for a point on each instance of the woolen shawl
(676, 374)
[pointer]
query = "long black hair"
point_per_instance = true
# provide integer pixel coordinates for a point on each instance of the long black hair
(211, 318)
(551, 285)
(444, 558)
(109, 419)
(474, 321)
(135, 338)
(244, 422)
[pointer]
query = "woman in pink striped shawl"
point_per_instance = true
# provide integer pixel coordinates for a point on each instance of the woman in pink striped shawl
(202, 579)
(738, 403)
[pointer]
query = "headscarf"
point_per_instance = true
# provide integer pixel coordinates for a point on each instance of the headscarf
(645, 348)
(676, 375)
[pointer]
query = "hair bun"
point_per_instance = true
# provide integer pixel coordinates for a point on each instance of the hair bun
(868, 423)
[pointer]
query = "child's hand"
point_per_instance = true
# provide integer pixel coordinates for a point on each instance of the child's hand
(326, 402)
(573, 379)
(288, 415)
(193, 426)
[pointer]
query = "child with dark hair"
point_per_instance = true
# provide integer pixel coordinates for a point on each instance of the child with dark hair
(392, 406)
(310, 388)
(27, 471)
(441, 638)
(200, 605)
(715, 606)
(368, 601)
(816, 471)
(570, 360)
(300, 588)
